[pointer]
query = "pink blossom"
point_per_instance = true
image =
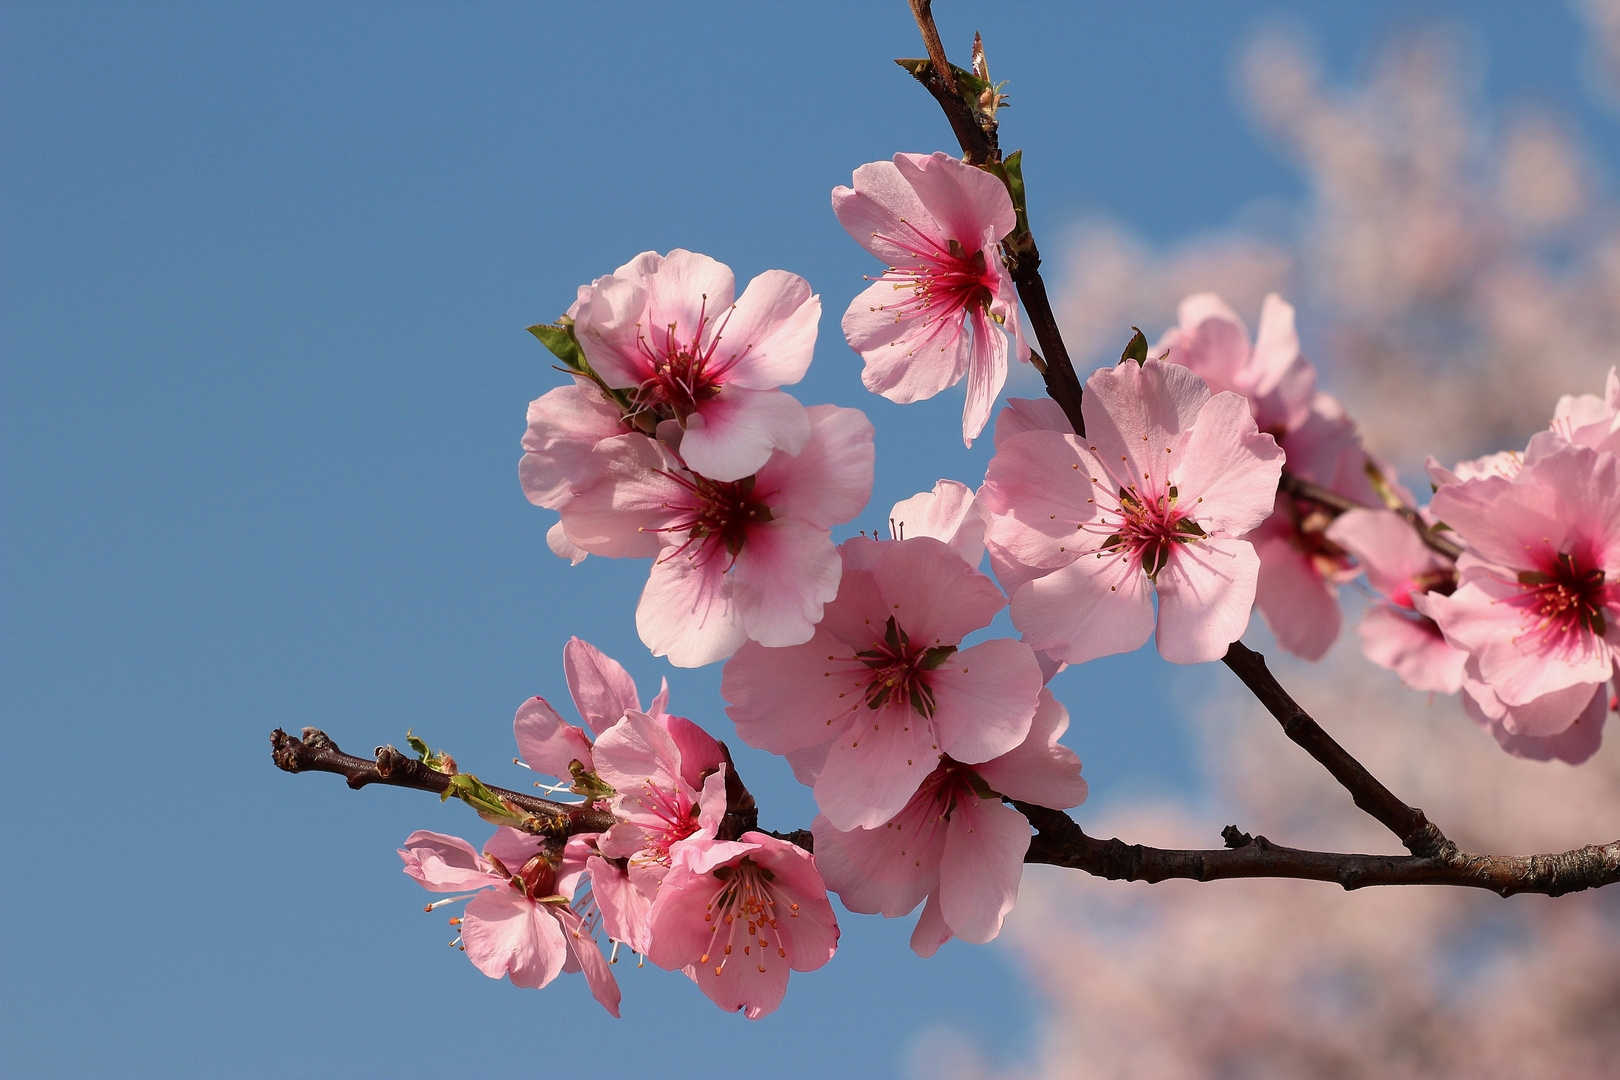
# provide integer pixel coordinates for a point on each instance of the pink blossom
(666, 330)
(955, 842)
(1300, 570)
(867, 706)
(518, 924)
(1154, 498)
(750, 559)
(565, 425)
(949, 513)
(737, 916)
(1537, 606)
(1394, 634)
(1590, 420)
(658, 809)
(936, 224)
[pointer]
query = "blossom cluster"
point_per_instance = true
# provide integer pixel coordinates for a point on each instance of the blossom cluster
(1208, 484)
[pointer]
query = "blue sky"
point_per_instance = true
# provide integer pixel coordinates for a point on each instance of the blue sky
(266, 271)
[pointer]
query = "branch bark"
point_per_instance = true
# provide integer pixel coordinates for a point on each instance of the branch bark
(316, 752)
(1060, 841)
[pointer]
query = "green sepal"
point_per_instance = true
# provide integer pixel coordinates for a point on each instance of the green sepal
(1533, 577)
(1136, 348)
(969, 85)
(936, 656)
(587, 783)
(438, 761)
(1010, 170)
(559, 338)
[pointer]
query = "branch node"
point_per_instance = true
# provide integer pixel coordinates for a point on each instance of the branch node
(1234, 838)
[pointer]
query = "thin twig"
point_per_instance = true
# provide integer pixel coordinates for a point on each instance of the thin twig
(316, 752)
(1061, 842)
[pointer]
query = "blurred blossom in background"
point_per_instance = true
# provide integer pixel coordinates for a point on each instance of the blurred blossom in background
(1454, 273)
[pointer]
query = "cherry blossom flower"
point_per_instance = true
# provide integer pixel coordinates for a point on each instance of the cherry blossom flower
(737, 916)
(867, 706)
(1399, 566)
(1300, 569)
(937, 312)
(665, 794)
(749, 559)
(1154, 499)
(517, 923)
(665, 329)
(1536, 607)
(955, 842)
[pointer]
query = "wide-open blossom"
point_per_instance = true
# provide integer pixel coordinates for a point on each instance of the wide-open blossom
(1537, 607)
(1394, 634)
(665, 329)
(518, 923)
(737, 916)
(938, 311)
(1300, 569)
(1155, 498)
(867, 706)
(749, 559)
(955, 842)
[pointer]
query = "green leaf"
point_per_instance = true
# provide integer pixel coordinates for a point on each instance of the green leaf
(1136, 348)
(560, 339)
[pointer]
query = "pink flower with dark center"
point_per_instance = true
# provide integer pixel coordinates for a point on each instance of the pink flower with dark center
(1537, 602)
(518, 922)
(864, 709)
(665, 330)
(936, 223)
(955, 842)
(1154, 499)
(735, 560)
(737, 916)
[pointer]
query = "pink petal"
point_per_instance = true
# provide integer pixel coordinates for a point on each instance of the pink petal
(583, 950)
(931, 931)
(699, 752)
(624, 907)
(636, 750)
(986, 698)
(875, 765)
(548, 743)
(1278, 373)
(769, 337)
(969, 204)
(1229, 465)
(981, 866)
(949, 513)
(685, 289)
(1386, 546)
(623, 496)
(1413, 648)
(934, 596)
(907, 358)
(1038, 491)
(505, 933)
(1205, 593)
(602, 690)
(888, 870)
(733, 433)
(445, 863)
(512, 848)
(1134, 412)
(872, 211)
(1501, 519)
(830, 480)
(1098, 605)
(786, 573)
(562, 547)
(987, 374)
(786, 699)
(686, 612)
(1039, 770)
(1298, 604)
(564, 425)
(1026, 414)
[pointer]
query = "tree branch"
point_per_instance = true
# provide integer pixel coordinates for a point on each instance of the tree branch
(1060, 841)
(316, 752)
(1332, 500)
(1414, 830)
(980, 147)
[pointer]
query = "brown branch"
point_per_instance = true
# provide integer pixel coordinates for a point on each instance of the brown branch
(1060, 841)
(1332, 500)
(316, 752)
(1414, 830)
(1023, 258)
